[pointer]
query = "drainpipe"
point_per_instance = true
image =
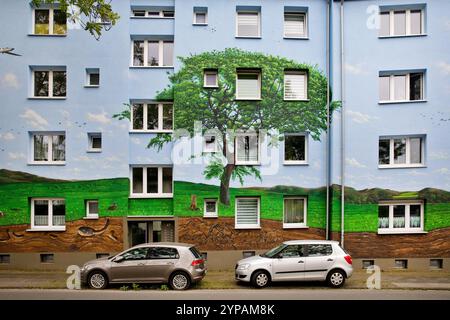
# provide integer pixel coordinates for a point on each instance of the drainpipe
(342, 123)
(328, 133)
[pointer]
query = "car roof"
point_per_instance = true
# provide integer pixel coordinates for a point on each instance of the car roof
(311, 242)
(164, 244)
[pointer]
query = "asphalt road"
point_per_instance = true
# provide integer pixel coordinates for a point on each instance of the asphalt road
(231, 294)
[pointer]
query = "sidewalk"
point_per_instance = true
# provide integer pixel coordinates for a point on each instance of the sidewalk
(225, 280)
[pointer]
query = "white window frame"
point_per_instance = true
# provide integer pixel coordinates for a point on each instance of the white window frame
(146, 15)
(91, 215)
(49, 149)
(247, 163)
(50, 226)
(258, 73)
(299, 73)
(50, 23)
(145, 118)
(407, 22)
(50, 84)
(296, 162)
(92, 135)
(259, 25)
(210, 72)
(216, 143)
(144, 193)
(88, 79)
(247, 226)
(407, 163)
(195, 23)
(407, 228)
(160, 54)
(407, 87)
(305, 213)
(305, 17)
(210, 214)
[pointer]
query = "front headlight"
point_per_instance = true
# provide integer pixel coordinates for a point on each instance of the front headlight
(244, 266)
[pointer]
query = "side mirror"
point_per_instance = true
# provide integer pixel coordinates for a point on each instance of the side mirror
(119, 259)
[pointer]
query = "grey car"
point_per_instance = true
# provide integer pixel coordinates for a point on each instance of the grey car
(178, 264)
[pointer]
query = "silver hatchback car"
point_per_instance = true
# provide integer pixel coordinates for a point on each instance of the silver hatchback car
(178, 264)
(298, 260)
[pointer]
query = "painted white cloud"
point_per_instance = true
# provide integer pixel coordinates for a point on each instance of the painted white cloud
(34, 119)
(99, 117)
(355, 69)
(443, 171)
(360, 117)
(439, 155)
(136, 140)
(352, 162)
(9, 80)
(444, 67)
(7, 136)
(16, 156)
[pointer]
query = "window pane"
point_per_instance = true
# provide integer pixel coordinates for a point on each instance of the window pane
(40, 148)
(168, 14)
(138, 53)
(167, 180)
(416, 22)
(294, 25)
(210, 206)
(414, 216)
(292, 251)
(316, 250)
(153, 14)
(94, 79)
(400, 87)
(59, 212)
(167, 117)
(399, 216)
(93, 207)
(152, 117)
(200, 18)
(248, 24)
(385, 88)
(383, 217)
(59, 83)
(246, 211)
(399, 151)
(247, 148)
(153, 53)
(383, 151)
(96, 142)
(138, 116)
(41, 22)
(210, 79)
(59, 147)
(139, 13)
(152, 180)
(136, 254)
(415, 86)
(248, 86)
(294, 148)
(415, 146)
(294, 211)
(41, 83)
(294, 86)
(137, 180)
(399, 23)
(40, 212)
(384, 24)
(167, 53)
(163, 253)
(59, 22)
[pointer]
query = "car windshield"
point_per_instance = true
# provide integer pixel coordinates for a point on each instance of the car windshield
(273, 252)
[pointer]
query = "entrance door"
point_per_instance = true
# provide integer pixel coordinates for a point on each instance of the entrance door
(150, 231)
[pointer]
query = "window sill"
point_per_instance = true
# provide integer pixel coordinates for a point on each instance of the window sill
(249, 227)
(296, 38)
(250, 163)
(151, 18)
(210, 216)
(294, 226)
(252, 37)
(92, 217)
(43, 229)
(391, 231)
(94, 151)
(402, 101)
(152, 67)
(247, 99)
(151, 131)
(200, 24)
(47, 35)
(47, 163)
(408, 166)
(151, 196)
(47, 98)
(91, 86)
(295, 163)
(211, 87)
(296, 100)
(403, 36)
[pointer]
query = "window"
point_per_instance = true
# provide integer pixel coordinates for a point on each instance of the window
(168, 13)
(398, 152)
(47, 258)
(49, 83)
(318, 250)
(248, 85)
(50, 22)
(92, 77)
(95, 142)
(163, 253)
(401, 23)
(295, 149)
(247, 213)
(366, 264)
(152, 53)
(152, 117)
(210, 78)
(210, 210)
(148, 182)
(400, 217)
(48, 148)
(5, 259)
(295, 85)
(200, 16)
(401, 264)
(247, 149)
(294, 212)
(136, 254)
(92, 209)
(401, 87)
(248, 25)
(295, 25)
(292, 251)
(48, 214)
(436, 263)
(210, 143)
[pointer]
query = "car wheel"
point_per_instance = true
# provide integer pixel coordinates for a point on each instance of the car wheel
(97, 280)
(179, 281)
(336, 278)
(260, 279)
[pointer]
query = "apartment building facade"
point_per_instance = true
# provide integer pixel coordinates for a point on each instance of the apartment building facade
(210, 122)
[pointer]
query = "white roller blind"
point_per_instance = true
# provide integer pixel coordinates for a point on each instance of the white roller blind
(247, 211)
(294, 25)
(247, 24)
(295, 86)
(248, 86)
(247, 148)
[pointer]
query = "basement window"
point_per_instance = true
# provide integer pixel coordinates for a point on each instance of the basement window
(401, 264)
(47, 258)
(366, 264)
(436, 263)
(5, 258)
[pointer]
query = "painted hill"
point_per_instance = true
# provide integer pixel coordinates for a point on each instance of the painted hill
(9, 176)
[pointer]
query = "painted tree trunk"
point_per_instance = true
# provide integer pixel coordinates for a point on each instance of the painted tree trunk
(225, 184)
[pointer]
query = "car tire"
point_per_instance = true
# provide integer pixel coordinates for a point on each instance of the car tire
(260, 279)
(97, 280)
(179, 281)
(336, 278)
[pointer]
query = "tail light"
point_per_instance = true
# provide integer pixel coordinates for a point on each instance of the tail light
(197, 262)
(348, 259)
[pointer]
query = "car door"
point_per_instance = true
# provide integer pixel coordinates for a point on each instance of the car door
(130, 267)
(161, 262)
(318, 261)
(289, 264)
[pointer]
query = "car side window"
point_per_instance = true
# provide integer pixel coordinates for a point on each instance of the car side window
(292, 251)
(136, 254)
(317, 250)
(163, 253)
